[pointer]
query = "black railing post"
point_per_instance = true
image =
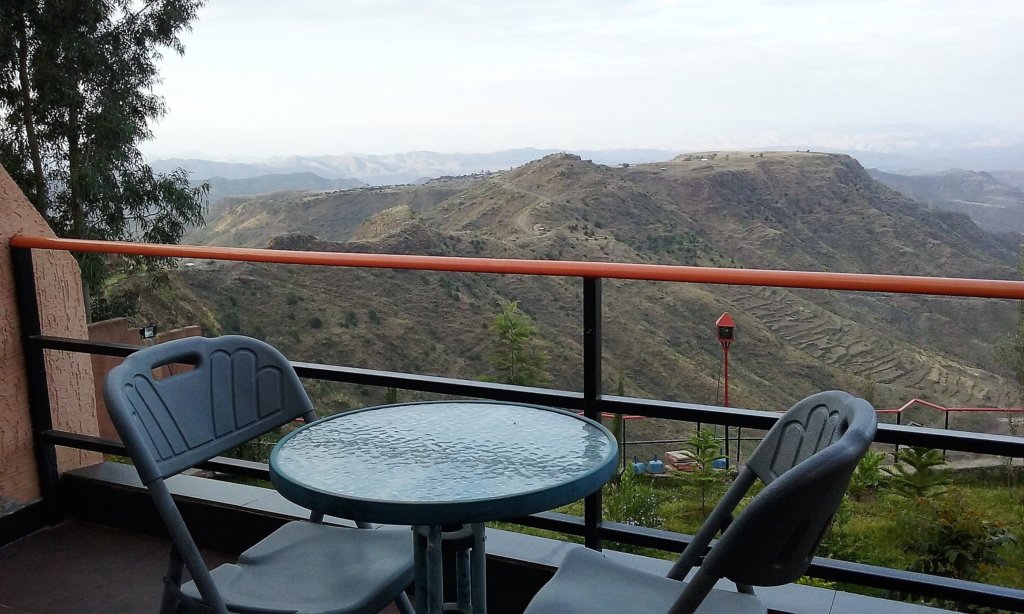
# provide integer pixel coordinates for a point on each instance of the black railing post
(592, 393)
(38, 390)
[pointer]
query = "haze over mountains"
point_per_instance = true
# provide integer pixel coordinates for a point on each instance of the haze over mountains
(802, 211)
(390, 169)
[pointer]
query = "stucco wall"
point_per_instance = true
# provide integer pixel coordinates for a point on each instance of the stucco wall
(70, 383)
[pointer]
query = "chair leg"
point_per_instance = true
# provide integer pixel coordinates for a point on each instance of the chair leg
(169, 602)
(404, 605)
(696, 590)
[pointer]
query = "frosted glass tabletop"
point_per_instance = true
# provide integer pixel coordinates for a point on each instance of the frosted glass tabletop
(446, 462)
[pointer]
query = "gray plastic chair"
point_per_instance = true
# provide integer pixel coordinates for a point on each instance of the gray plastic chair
(805, 461)
(241, 388)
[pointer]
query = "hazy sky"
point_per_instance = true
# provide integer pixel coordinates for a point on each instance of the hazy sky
(265, 77)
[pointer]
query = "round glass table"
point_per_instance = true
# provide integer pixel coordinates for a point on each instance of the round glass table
(445, 468)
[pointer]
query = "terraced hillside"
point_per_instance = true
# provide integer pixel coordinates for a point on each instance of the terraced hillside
(780, 211)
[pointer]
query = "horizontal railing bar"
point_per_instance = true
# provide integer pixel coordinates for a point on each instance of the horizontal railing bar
(231, 466)
(102, 348)
(553, 521)
(84, 442)
(963, 441)
(860, 282)
(912, 583)
(690, 412)
(441, 385)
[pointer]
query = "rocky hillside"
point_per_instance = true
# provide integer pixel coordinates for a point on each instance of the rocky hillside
(776, 210)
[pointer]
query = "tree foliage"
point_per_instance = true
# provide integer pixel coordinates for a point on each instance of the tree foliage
(948, 537)
(867, 476)
(917, 474)
(76, 99)
(517, 358)
(705, 480)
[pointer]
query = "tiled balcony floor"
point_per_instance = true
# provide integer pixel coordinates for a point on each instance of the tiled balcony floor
(82, 568)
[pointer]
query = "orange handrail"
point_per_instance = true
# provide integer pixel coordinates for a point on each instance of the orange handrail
(903, 284)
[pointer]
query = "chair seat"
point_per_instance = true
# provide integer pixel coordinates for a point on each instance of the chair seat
(313, 568)
(588, 583)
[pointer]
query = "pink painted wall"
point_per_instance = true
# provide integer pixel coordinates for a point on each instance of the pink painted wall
(71, 381)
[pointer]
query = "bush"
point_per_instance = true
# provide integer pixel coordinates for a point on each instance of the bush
(351, 320)
(868, 475)
(315, 322)
(840, 542)
(632, 501)
(948, 537)
(916, 473)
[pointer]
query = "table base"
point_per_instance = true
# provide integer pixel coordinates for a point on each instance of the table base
(467, 542)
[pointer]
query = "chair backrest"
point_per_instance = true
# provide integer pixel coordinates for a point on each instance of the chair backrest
(239, 388)
(806, 462)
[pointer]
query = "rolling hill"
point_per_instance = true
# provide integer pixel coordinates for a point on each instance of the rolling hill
(773, 210)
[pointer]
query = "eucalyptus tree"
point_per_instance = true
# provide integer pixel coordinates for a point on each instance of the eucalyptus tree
(77, 97)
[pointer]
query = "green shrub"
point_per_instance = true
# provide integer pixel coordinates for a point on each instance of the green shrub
(916, 473)
(351, 320)
(947, 537)
(315, 322)
(632, 501)
(868, 475)
(840, 542)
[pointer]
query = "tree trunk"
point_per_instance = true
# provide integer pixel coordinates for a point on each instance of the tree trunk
(74, 177)
(75, 198)
(41, 201)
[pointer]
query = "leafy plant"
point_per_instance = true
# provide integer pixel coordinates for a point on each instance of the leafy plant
(948, 537)
(840, 542)
(705, 480)
(868, 475)
(916, 473)
(632, 501)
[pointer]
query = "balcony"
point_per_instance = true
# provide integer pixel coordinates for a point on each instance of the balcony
(99, 520)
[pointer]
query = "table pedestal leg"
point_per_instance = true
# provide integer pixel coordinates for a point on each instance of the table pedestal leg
(467, 541)
(479, 568)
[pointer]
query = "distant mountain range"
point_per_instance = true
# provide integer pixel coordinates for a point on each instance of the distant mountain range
(391, 169)
(993, 204)
(332, 172)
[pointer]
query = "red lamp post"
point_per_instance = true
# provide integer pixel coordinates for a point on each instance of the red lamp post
(726, 335)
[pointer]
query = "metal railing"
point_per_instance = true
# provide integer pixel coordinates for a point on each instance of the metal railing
(590, 400)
